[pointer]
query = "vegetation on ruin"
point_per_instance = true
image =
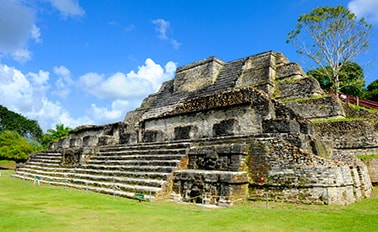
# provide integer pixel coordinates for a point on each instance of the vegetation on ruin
(332, 120)
(302, 99)
(368, 156)
(26, 207)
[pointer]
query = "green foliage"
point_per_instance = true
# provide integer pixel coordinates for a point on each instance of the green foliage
(331, 37)
(372, 91)
(15, 147)
(12, 121)
(351, 79)
(369, 156)
(54, 135)
(332, 120)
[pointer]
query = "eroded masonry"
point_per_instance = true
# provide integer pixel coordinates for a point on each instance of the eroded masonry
(221, 132)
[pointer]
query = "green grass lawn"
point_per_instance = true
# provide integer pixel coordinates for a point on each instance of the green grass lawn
(24, 207)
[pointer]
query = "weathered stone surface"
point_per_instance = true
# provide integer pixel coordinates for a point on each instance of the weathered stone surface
(318, 108)
(372, 165)
(220, 132)
(303, 87)
(289, 70)
(197, 75)
(348, 134)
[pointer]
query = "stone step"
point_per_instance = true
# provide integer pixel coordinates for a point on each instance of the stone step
(46, 160)
(63, 172)
(43, 164)
(141, 152)
(118, 190)
(123, 168)
(145, 146)
(47, 154)
(131, 174)
(169, 163)
(76, 177)
(167, 169)
(138, 157)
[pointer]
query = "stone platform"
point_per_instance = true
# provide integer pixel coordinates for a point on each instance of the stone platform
(218, 132)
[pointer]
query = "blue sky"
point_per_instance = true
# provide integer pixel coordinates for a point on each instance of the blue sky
(82, 62)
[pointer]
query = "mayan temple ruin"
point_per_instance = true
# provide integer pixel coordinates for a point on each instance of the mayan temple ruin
(221, 132)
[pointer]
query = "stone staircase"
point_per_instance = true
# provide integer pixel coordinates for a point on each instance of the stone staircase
(122, 170)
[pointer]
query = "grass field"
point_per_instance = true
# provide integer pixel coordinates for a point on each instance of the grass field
(25, 207)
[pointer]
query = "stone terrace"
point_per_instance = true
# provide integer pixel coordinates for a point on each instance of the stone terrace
(219, 132)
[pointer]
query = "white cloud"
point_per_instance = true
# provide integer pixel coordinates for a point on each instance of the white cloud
(21, 55)
(64, 81)
(36, 34)
(365, 8)
(176, 45)
(132, 85)
(104, 115)
(68, 7)
(162, 26)
(16, 27)
(27, 95)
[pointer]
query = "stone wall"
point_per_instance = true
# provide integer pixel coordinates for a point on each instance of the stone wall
(317, 108)
(372, 164)
(246, 126)
(214, 174)
(258, 72)
(197, 75)
(290, 174)
(347, 135)
(240, 112)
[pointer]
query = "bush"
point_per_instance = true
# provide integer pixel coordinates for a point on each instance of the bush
(15, 147)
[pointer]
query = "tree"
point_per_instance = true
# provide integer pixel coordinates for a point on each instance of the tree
(372, 91)
(12, 121)
(15, 147)
(351, 79)
(330, 36)
(54, 135)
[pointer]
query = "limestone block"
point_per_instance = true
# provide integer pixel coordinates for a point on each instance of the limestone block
(297, 88)
(197, 75)
(106, 140)
(289, 70)
(225, 127)
(281, 126)
(348, 134)
(317, 108)
(281, 59)
(90, 141)
(372, 166)
(64, 142)
(266, 59)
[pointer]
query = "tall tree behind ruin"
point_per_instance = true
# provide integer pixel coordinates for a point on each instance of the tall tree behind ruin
(330, 36)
